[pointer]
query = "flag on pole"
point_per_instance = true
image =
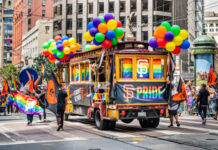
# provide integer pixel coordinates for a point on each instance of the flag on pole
(5, 88)
(42, 69)
(14, 84)
(182, 94)
(211, 78)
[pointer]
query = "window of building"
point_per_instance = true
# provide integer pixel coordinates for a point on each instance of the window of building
(111, 7)
(58, 10)
(90, 8)
(9, 3)
(29, 28)
(144, 20)
(157, 19)
(8, 11)
(29, 12)
(217, 25)
(80, 8)
(216, 30)
(158, 68)
(29, 2)
(69, 9)
(43, 13)
(144, 35)
(142, 68)
(101, 7)
(43, 2)
(126, 68)
(79, 37)
(162, 5)
(211, 25)
(144, 5)
(29, 21)
(206, 30)
(134, 20)
(89, 19)
(133, 5)
(79, 23)
(123, 21)
(57, 25)
(122, 6)
(211, 30)
(69, 24)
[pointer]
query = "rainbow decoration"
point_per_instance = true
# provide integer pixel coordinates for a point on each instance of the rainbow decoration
(27, 104)
(14, 85)
(77, 73)
(42, 69)
(83, 74)
(87, 72)
(157, 73)
(127, 68)
(142, 68)
(3, 104)
(73, 73)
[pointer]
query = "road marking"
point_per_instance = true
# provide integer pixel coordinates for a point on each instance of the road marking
(45, 141)
(112, 133)
(138, 139)
(193, 128)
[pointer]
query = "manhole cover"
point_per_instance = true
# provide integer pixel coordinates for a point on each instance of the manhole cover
(210, 139)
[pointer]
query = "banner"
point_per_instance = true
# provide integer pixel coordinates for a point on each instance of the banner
(138, 92)
(52, 94)
(79, 95)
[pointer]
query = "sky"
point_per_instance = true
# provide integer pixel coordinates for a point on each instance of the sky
(211, 5)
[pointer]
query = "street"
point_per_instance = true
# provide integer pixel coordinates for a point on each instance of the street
(81, 134)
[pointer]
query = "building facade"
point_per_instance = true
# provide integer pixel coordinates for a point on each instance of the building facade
(6, 32)
(33, 40)
(27, 12)
(72, 17)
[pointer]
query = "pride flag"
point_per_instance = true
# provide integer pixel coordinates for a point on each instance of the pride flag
(42, 69)
(157, 69)
(14, 84)
(127, 68)
(27, 104)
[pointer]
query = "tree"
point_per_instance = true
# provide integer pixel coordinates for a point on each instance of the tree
(9, 72)
(49, 67)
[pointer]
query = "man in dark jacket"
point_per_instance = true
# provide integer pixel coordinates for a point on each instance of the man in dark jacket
(202, 102)
(62, 95)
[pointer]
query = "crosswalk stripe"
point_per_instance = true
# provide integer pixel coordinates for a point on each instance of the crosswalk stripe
(195, 122)
(195, 128)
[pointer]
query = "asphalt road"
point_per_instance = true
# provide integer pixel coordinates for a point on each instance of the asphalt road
(81, 134)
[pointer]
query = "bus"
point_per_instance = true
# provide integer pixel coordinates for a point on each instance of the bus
(123, 83)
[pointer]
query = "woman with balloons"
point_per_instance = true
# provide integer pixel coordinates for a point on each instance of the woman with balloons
(60, 48)
(173, 39)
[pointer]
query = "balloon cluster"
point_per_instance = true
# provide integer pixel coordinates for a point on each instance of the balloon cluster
(172, 38)
(104, 31)
(60, 48)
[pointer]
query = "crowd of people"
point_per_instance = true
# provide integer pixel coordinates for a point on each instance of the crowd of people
(202, 101)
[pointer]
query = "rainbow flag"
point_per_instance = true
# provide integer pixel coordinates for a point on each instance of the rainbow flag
(157, 73)
(83, 74)
(77, 73)
(127, 68)
(42, 69)
(14, 84)
(73, 73)
(27, 104)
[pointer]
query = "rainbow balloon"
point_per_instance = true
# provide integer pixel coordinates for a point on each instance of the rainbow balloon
(127, 68)
(157, 73)
(27, 104)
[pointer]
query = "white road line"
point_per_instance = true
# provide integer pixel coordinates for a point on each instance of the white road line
(112, 133)
(45, 141)
(194, 122)
(195, 128)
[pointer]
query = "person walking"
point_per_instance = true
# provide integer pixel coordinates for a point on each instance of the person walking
(216, 100)
(62, 95)
(173, 109)
(202, 102)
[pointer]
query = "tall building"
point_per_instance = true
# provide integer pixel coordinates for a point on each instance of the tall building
(6, 32)
(71, 17)
(26, 13)
(33, 40)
